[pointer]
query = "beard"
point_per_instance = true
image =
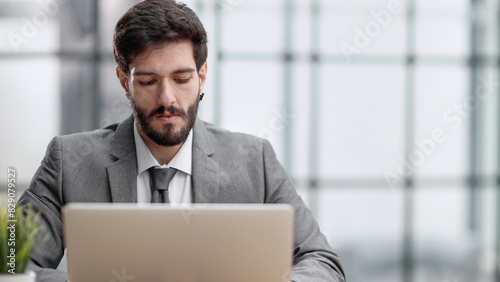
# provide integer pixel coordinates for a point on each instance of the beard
(166, 136)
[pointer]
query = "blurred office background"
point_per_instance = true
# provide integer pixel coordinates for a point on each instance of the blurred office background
(384, 113)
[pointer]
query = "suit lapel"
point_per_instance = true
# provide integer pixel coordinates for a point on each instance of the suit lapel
(122, 174)
(205, 169)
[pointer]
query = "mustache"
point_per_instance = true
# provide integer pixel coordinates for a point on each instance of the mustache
(172, 110)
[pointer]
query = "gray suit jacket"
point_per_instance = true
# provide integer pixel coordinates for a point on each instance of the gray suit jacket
(101, 166)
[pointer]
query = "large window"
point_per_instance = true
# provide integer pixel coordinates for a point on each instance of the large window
(383, 112)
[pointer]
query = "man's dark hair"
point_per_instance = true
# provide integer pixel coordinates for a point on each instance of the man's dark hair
(153, 23)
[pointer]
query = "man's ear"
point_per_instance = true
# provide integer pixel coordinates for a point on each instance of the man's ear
(123, 78)
(202, 72)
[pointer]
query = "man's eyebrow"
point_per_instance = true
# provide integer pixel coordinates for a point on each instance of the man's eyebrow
(183, 70)
(177, 71)
(139, 73)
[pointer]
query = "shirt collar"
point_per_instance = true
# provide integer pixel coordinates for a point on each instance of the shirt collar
(181, 161)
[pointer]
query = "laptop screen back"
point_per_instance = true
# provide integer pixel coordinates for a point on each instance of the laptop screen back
(130, 242)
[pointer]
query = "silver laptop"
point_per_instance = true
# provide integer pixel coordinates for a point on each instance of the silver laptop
(131, 242)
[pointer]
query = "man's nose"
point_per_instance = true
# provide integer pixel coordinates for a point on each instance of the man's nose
(166, 95)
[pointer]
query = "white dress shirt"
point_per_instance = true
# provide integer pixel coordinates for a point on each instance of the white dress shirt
(179, 189)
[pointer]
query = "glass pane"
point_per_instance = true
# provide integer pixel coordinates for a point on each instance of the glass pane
(442, 4)
(115, 107)
(444, 37)
(227, 7)
(488, 27)
(78, 26)
(486, 234)
(241, 32)
(110, 13)
(252, 100)
(300, 119)
(41, 35)
(206, 14)
(442, 119)
(78, 96)
(301, 31)
(488, 123)
(30, 111)
(362, 4)
(444, 246)
(364, 226)
(361, 120)
(370, 32)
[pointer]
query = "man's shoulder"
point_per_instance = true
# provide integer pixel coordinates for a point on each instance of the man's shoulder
(98, 134)
(97, 141)
(227, 137)
(231, 147)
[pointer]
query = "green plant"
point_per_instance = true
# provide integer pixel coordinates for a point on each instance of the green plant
(17, 235)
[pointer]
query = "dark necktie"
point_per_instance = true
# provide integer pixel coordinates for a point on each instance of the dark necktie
(160, 178)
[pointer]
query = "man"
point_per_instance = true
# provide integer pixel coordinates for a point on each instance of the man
(160, 48)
